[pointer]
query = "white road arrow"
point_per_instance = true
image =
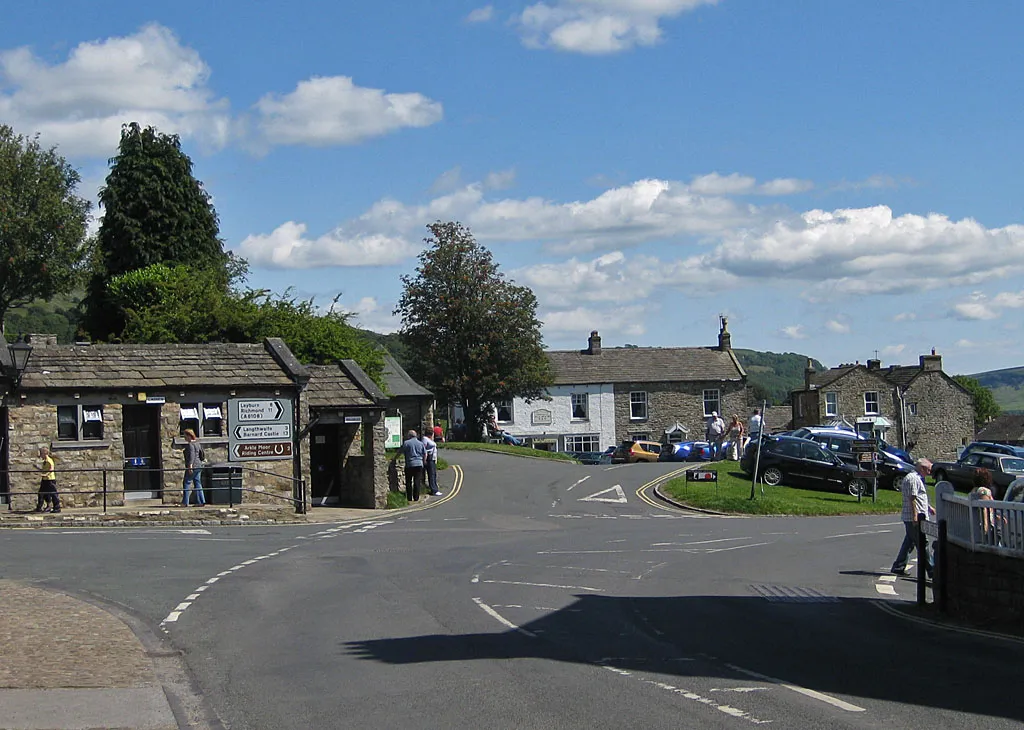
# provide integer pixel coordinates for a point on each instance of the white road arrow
(619, 498)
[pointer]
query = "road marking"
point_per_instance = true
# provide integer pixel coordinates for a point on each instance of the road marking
(740, 690)
(501, 619)
(814, 694)
(545, 585)
(703, 542)
(578, 483)
(579, 552)
(887, 578)
(737, 547)
(855, 534)
(885, 606)
(885, 589)
(182, 606)
(619, 498)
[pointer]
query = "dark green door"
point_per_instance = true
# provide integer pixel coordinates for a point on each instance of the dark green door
(141, 433)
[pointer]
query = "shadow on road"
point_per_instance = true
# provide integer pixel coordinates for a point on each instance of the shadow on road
(840, 647)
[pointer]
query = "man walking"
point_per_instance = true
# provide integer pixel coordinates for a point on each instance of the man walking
(430, 464)
(47, 484)
(754, 426)
(915, 503)
(414, 452)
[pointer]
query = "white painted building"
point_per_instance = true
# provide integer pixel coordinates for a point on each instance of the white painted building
(577, 418)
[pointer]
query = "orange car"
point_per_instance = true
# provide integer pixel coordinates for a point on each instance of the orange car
(630, 452)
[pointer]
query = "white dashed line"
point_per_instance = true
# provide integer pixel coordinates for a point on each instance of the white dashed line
(501, 619)
(885, 589)
(814, 694)
(544, 585)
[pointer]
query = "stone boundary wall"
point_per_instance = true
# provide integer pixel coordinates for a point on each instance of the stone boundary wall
(985, 587)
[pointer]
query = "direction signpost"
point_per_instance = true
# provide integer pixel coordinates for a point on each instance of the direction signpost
(866, 451)
(260, 429)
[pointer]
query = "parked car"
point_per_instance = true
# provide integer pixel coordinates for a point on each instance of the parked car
(686, 451)
(883, 445)
(590, 457)
(991, 448)
(630, 452)
(891, 468)
(960, 473)
(802, 462)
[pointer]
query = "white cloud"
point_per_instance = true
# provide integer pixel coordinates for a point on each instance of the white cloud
(837, 327)
(904, 317)
(893, 350)
(793, 332)
(287, 247)
(330, 110)
(370, 314)
(500, 180)
(715, 184)
(447, 181)
(874, 182)
(599, 26)
(785, 186)
(976, 309)
(980, 306)
(81, 103)
(1009, 300)
(481, 15)
(624, 321)
(966, 344)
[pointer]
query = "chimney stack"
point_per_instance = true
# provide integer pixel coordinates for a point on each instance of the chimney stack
(724, 338)
(594, 344)
(808, 374)
(874, 364)
(931, 363)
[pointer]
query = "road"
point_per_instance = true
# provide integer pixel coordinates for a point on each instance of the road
(542, 595)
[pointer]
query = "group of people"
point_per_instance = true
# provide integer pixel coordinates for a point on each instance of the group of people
(729, 440)
(420, 454)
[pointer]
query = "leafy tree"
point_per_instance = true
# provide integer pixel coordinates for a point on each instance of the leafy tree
(475, 335)
(42, 223)
(154, 212)
(985, 406)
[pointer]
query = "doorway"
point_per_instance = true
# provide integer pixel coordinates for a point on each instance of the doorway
(141, 432)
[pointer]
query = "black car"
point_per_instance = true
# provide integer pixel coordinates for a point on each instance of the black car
(891, 468)
(802, 462)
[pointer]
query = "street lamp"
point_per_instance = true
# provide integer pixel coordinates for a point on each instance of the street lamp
(20, 352)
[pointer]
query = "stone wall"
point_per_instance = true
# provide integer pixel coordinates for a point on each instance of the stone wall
(985, 587)
(851, 389)
(944, 420)
(668, 403)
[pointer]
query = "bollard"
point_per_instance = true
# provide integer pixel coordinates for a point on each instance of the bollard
(104, 491)
(922, 561)
(941, 567)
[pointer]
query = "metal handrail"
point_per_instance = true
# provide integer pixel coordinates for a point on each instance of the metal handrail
(298, 500)
(981, 525)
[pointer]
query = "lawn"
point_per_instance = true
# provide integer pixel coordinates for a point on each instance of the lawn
(504, 449)
(732, 494)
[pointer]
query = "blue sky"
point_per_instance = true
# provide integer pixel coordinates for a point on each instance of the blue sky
(837, 178)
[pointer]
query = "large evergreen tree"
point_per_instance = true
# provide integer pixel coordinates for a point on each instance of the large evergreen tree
(42, 222)
(154, 212)
(475, 335)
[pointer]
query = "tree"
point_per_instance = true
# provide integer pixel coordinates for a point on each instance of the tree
(475, 335)
(985, 406)
(43, 246)
(154, 212)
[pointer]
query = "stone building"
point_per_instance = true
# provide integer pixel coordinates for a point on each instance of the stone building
(114, 417)
(1007, 428)
(407, 399)
(917, 407)
(602, 396)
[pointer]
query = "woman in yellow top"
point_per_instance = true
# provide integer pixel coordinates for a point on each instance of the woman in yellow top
(48, 484)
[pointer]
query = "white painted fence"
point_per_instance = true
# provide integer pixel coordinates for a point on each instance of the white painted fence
(981, 525)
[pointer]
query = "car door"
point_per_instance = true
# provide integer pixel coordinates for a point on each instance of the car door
(786, 455)
(818, 466)
(961, 474)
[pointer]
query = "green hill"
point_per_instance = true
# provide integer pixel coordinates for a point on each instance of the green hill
(773, 375)
(1007, 387)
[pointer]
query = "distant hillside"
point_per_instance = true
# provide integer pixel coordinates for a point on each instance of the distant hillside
(1007, 387)
(773, 375)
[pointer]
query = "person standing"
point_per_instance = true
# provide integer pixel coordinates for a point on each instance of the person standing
(414, 452)
(754, 425)
(193, 470)
(915, 503)
(430, 465)
(734, 435)
(438, 433)
(47, 484)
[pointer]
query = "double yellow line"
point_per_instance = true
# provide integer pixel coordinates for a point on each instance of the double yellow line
(459, 477)
(651, 501)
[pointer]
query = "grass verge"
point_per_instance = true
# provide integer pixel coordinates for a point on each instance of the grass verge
(732, 494)
(397, 500)
(505, 449)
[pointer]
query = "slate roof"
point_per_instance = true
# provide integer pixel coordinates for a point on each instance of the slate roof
(120, 367)
(1007, 428)
(831, 375)
(339, 386)
(901, 374)
(399, 383)
(644, 365)
(778, 418)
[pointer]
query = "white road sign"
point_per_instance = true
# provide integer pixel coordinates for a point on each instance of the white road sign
(260, 410)
(263, 431)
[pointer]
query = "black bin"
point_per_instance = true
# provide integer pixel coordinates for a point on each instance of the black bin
(223, 483)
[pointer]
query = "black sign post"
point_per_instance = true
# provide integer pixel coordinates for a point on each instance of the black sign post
(866, 451)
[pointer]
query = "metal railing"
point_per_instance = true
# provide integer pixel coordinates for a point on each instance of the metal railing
(108, 492)
(981, 525)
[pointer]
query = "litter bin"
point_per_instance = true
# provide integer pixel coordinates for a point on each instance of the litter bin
(223, 483)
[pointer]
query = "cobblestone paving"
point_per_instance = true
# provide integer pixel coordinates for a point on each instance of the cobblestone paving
(49, 640)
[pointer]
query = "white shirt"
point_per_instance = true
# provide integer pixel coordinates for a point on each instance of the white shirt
(754, 426)
(431, 448)
(915, 497)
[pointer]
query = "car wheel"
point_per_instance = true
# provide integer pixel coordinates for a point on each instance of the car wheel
(772, 476)
(857, 487)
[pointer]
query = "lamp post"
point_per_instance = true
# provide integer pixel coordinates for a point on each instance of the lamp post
(20, 352)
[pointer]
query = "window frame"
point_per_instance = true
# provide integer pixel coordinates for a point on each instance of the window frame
(832, 403)
(581, 400)
(507, 404)
(912, 408)
(575, 442)
(201, 420)
(877, 410)
(633, 402)
(716, 399)
(83, 431)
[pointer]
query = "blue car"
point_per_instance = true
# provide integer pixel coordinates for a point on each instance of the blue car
(686, 451)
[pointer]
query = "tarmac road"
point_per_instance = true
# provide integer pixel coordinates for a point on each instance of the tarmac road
(539, 594)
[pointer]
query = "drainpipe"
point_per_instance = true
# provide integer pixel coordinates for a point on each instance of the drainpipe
(903, 417)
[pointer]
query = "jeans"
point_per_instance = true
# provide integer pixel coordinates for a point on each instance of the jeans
(431, 468)
(910, 543)
(510, 439)
(193, 481)
(413, 482)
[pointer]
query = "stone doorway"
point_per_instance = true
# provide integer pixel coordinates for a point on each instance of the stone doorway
(141, 434)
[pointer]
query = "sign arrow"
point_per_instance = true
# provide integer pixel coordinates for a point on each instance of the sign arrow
(620, 497)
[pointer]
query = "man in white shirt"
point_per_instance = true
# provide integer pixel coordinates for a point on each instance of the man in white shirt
(915, 503)
(430, 464)
(754, 425)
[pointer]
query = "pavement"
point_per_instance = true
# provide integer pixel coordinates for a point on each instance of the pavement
(69, 663)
